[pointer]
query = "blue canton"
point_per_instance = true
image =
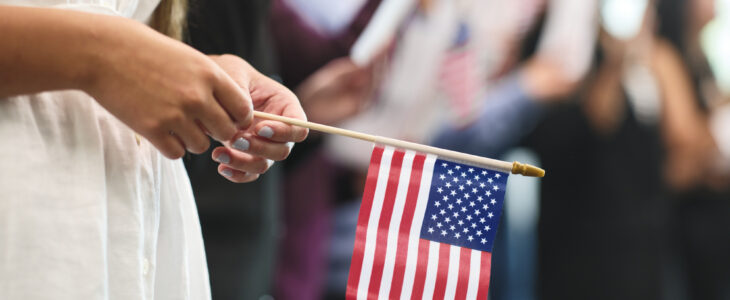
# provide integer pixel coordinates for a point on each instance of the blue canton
(464, 205)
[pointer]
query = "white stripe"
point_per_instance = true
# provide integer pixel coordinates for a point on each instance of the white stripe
(415, 234)
(432, 270)
(453, 276)
(392, 242)
(372, 231)
(474, 268)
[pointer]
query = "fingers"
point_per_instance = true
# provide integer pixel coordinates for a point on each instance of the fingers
(235, 175)
(192, 137)
(258, 146)
(216, 121)
(170, 146)
(236, 101)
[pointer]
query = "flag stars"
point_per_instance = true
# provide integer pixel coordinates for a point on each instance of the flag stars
(430, 230)
(457, 235)
(487, 228)
(477, 212)
(443, 232)
(476, 178)
(496, 188)
(452, 227)
(447, 220)
(442, 212)
(473, 225)
(463, 174)
(463, 209)
(474, 190)
(453, 193)
(446, 198)
(448, 185)
(437, 204)
(482, 220)
(461, 187)
(479, 233)
(450, 172)
(484, 241)
(466, 196)
(488, 193)
(490, 180)
(456, 215)
(442, 176)
(451, 206)
(466, 230)
(484, 172)
(480, 198)
(456, 179)
(468, 218)
(468, 182)
(485, 207)
(482, 185)
(439, 225)
(440, 190)
(493, 202)
(472, 204)
(497, 175)
(458, 201)
(444, 165)
(434, 217)
(471, 170)
(470, 238)
(490, 215)
(457, 167)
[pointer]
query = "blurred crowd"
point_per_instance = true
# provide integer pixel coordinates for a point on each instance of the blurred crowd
(616, 99)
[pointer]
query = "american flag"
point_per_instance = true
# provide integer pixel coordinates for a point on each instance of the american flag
(426, 228)
(459, 77)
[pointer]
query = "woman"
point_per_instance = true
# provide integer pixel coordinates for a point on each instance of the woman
(89, 209)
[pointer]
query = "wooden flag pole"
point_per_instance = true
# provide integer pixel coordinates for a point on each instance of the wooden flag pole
(513, 167)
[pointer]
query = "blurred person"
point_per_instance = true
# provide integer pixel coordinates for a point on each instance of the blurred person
(116, 217)
(239, 221)
(694, 167)
(312, 40)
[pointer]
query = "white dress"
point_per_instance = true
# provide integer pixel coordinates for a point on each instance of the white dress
(88, 210)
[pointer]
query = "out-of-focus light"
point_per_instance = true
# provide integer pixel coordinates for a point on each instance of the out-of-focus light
(623, 18)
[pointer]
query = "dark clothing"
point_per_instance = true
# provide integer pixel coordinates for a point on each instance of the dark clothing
(239, 221)
(603, 210)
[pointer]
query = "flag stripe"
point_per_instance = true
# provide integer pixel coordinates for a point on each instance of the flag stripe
(416, 291)
(372, 224)
(463, 281)
(432, 269)
(442, 273)
(395, 223)
(405, 225)
(386, 214)
(484, 278)
(362, 222)
(474, 267)
(453, 275)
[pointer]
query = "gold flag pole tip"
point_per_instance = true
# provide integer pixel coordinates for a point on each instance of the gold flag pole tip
(527, 170)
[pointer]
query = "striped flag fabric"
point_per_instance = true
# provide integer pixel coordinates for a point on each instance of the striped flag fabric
(426, 228)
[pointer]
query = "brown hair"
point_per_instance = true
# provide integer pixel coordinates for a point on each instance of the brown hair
(169, 18)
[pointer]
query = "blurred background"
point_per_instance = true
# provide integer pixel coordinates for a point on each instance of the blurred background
(625, 103)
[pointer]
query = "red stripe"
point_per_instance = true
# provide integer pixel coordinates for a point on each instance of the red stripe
(484, 275)
(401, 253)
(421, 268)
(381, 242)
(443, 271)
(362, 223)
(462, 285)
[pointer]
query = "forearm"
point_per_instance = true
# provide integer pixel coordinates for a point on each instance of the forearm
(49, 49)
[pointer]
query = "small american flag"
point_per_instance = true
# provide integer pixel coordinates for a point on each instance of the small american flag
(426, 228)
(459, 77)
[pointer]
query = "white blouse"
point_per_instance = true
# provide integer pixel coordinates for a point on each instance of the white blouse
(87, 209)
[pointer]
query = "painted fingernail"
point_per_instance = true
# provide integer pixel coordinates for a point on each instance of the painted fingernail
(266, 132)
(223, 158)
(241, 144)
(227, 172)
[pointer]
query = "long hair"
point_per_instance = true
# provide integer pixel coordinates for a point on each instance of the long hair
(169, 18)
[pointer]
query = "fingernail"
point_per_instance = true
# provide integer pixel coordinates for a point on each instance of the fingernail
(223, 158)
(241, 144)
(266, 132)
(227, 172)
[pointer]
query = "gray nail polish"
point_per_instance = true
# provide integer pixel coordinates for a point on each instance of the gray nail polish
(266, 132)
(223, 158)
(241, 144)
(227, 172)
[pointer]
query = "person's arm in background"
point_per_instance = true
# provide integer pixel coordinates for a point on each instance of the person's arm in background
(152, 83)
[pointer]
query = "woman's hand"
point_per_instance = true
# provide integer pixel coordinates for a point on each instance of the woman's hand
(253, 150)
(168, 92)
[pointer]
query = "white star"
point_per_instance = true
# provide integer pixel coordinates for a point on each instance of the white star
(453, 193)
(433, 217)
(451, 206)
(487, 228)
(450, 172)
(489, 180)
(461, 222)
(457, 235)
(439, 225)
(437, 204)
(473, 225)
(458, 201)
(476, 177)
(471, 170)
(430, 230)
(444, 165)
(490, 215)
(468, 182)
(442, 212)
(456, 179)
(485, 207)
(480, 198)
(496, 188)
(470, 238)
(457, 167)
(466, 196)
(448, 185)
(446, 198)
(440, 190)
(456, 215)
(482, 185)
(497, 175)
(482, 220)
(447, 219)
(461, 187)
(477, 212)
(488, 193)
(466, 230)
(463, 174)
(471, 203)
(493, 201)
(452, 227)
(479, 232)
(468, 218)
(484, 172)
(463, 209)
(484, 241)
(474, 190)
(442, 177)
(443, 232)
